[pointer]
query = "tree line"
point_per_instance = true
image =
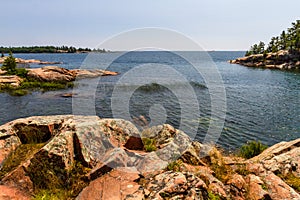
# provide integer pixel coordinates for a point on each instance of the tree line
(287, 40)
(43, 49)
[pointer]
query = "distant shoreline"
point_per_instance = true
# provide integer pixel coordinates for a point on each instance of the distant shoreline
(49, 49)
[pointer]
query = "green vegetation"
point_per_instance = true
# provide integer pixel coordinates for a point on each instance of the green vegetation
(149, 144)
(10, 64)
(288, 40)
(54, 182)
(175, 166)
(21, 154)
(216, 162)
(45, 86)
(48, 49)
(291, 180)
(212, 196)
(51, 195)
(43, 49)
(251, 149)
(242, 170)
(29, 85)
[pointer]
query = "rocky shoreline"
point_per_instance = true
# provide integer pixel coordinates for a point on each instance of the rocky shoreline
(85, 157)
(52, 74)
(280, 60)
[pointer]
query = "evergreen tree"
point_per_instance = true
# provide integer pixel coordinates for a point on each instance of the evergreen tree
(10, 64)
(288, 40)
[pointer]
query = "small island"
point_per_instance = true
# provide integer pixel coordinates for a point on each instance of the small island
(19, 81)
(282, 52)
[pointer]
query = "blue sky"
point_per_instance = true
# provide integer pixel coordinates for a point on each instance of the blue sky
(213, 24)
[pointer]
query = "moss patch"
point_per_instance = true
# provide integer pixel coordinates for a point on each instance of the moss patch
(32, 134)
(21, 154)
(291, 180)
(49, 176)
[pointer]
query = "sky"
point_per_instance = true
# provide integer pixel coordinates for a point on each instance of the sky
(213, 24)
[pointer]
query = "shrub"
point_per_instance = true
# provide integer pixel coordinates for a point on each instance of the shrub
(216, 162)
(10, 64)
(18, 92)
(212, 196)
(21, 72)
(251, 149)
(174, 166)
(149, 144)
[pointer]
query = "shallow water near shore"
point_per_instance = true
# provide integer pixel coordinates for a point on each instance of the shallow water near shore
(262, 104)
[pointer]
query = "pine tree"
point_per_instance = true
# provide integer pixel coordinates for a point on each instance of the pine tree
(10, 64)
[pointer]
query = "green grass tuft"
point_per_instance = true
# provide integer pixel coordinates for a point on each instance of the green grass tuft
(251, 149)
(174, 166)
(212, 196)
(149, 144)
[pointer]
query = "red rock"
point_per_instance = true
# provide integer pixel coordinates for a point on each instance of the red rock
(255, 188)
(11, 193)
(19, 179)
(218, 189)
(51, 73)
(114, 185)
(278, 189)
(237, 181)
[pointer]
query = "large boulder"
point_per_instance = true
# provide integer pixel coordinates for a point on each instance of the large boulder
(283, 158)
(84, 73)
(51, 74)
(58, 74)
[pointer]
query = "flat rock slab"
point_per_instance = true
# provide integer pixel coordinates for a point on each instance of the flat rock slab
(55, 73)
(114, 185)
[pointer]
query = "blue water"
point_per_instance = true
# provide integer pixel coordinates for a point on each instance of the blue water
(262, 104)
